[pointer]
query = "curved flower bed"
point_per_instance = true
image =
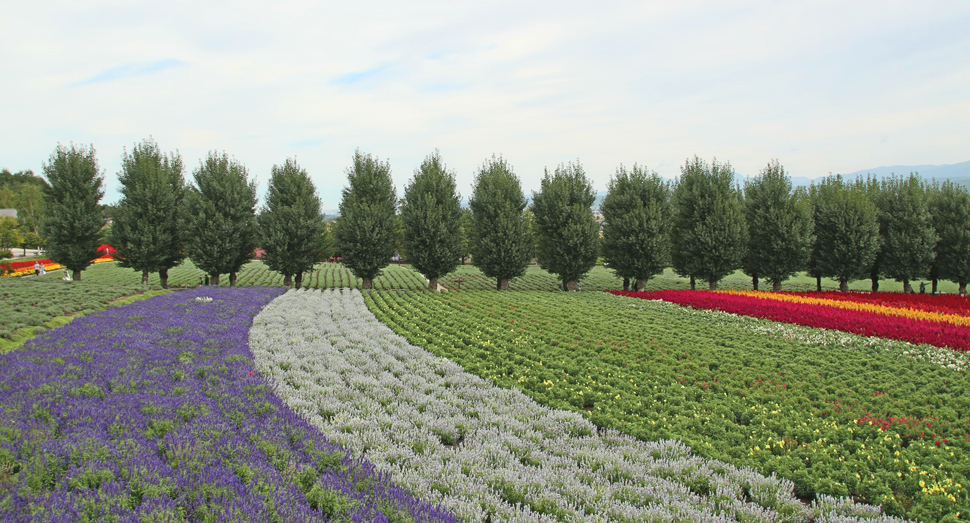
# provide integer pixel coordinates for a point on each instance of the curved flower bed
(488, 453)
(863, 322)
(152, 412)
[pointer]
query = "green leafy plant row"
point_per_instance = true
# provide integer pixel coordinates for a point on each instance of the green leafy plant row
(255, 273)
(30, 303)
(602, 278)
(885, 422)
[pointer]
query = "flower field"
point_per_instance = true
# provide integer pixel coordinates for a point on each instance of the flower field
(153, 412)
(490, 453)
(882, 421)
(478, 405)
(942, 321)
(10, 269)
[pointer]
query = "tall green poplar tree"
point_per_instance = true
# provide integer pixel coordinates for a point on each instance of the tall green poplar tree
(146, 228)
(637, 216)
(874, 191)
(908, 238)
(73, 219)
(846, 230)
(221, 217)
(431, 216)
(949, 206)
(709, 231)
(567, 232)
(779, 227)
(501, 245)
(366, 230)
(291, 228)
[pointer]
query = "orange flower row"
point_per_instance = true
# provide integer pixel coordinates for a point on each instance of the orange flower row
(915, 314)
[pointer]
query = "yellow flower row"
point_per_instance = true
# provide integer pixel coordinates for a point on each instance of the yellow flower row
(856, 306)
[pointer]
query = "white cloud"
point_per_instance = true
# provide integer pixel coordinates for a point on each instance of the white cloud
(823, 86)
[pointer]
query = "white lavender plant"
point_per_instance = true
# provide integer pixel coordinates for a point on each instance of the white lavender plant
(488, 453)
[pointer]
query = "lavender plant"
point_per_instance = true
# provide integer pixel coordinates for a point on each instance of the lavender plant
(488, 453)
(152, 412)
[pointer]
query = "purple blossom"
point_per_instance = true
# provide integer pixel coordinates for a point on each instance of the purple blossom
(152, 411)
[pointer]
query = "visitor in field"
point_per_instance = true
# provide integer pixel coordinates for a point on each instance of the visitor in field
(36, 269)
(922, 288)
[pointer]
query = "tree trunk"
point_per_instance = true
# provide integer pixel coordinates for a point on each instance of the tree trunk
(712, 285)
(818, 283)
(76, 276)
(626, 284)
(214, 280)
(963, 288)
(163, 277)
(298, 280)
(503, 284)
(754, 282)
(875, 284)
(367, 283)
(572, 286)
(288, 280)
(432, 284)
(844, 285)
(693, 283)
(935, 283)
(907, 288)
(144, 277)
(232, 279)
(776, 286)
(641, 284)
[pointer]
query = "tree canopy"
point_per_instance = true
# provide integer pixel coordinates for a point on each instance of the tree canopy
(709, 229)
(366, 230)
(949, 206)
(291, 227)
(567, 232)
(221, 217)
(779, 227)
(637, 216)
(73, 220)
(501, 242)
(846, 230)
(908, 238)
(431, 217)
(146, 228)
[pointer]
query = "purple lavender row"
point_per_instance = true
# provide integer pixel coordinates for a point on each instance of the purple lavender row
(153, 412)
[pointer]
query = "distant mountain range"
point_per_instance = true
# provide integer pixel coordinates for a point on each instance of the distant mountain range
(955, 172)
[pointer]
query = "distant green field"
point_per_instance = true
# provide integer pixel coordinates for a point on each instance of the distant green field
(324, 275)
(602, 278)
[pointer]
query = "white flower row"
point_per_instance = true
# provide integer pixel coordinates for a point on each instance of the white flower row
(942, 356)
(488, 453)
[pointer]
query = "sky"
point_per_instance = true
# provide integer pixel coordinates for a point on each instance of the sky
(822, 86)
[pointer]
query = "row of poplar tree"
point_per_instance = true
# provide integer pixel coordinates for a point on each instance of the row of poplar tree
(704, 225)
